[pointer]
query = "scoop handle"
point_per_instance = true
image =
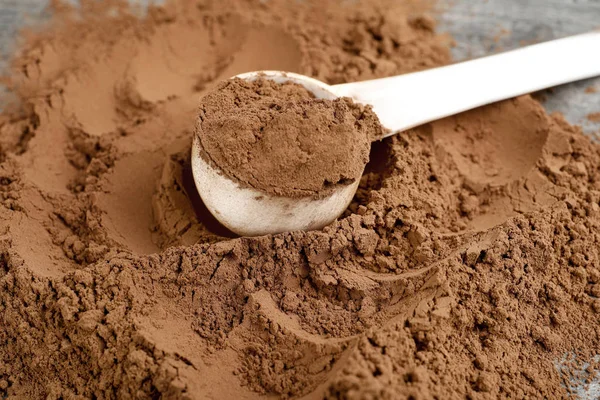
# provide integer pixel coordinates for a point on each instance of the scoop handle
(405, 101)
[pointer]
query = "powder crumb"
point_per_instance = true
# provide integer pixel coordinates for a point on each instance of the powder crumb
(467, 266)
(279, 139)
(594, 117)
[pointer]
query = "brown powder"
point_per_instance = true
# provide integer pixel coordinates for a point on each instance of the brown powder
(594, 117)
(281, 140)
(468, 264)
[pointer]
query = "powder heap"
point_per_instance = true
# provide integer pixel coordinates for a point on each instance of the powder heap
(467, 266)
(279, 139)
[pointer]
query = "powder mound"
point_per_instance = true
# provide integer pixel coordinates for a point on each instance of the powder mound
(280, 139)
(467, 266)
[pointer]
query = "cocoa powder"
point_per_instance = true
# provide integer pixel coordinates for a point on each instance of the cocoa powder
(468, 264)
(594, 117)
(279, 139)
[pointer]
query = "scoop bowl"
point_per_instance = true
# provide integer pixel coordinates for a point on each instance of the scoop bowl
(250, 212)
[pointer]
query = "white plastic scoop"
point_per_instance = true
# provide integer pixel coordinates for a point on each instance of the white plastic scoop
(401, 102)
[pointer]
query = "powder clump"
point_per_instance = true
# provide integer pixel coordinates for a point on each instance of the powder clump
(280, 139)
(594, 117)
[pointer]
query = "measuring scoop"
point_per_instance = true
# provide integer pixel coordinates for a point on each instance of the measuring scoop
(401, 102)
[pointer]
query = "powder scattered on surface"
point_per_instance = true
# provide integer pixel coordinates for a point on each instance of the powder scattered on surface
(279, 139)
(594, 117)
(468, 265)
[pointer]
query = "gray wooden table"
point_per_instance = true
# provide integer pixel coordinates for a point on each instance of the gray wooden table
(480, 27)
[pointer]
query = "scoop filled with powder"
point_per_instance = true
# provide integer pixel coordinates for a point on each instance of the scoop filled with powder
(281, 140)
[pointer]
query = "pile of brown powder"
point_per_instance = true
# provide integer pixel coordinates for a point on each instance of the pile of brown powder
(279, 139)
(467, 266)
